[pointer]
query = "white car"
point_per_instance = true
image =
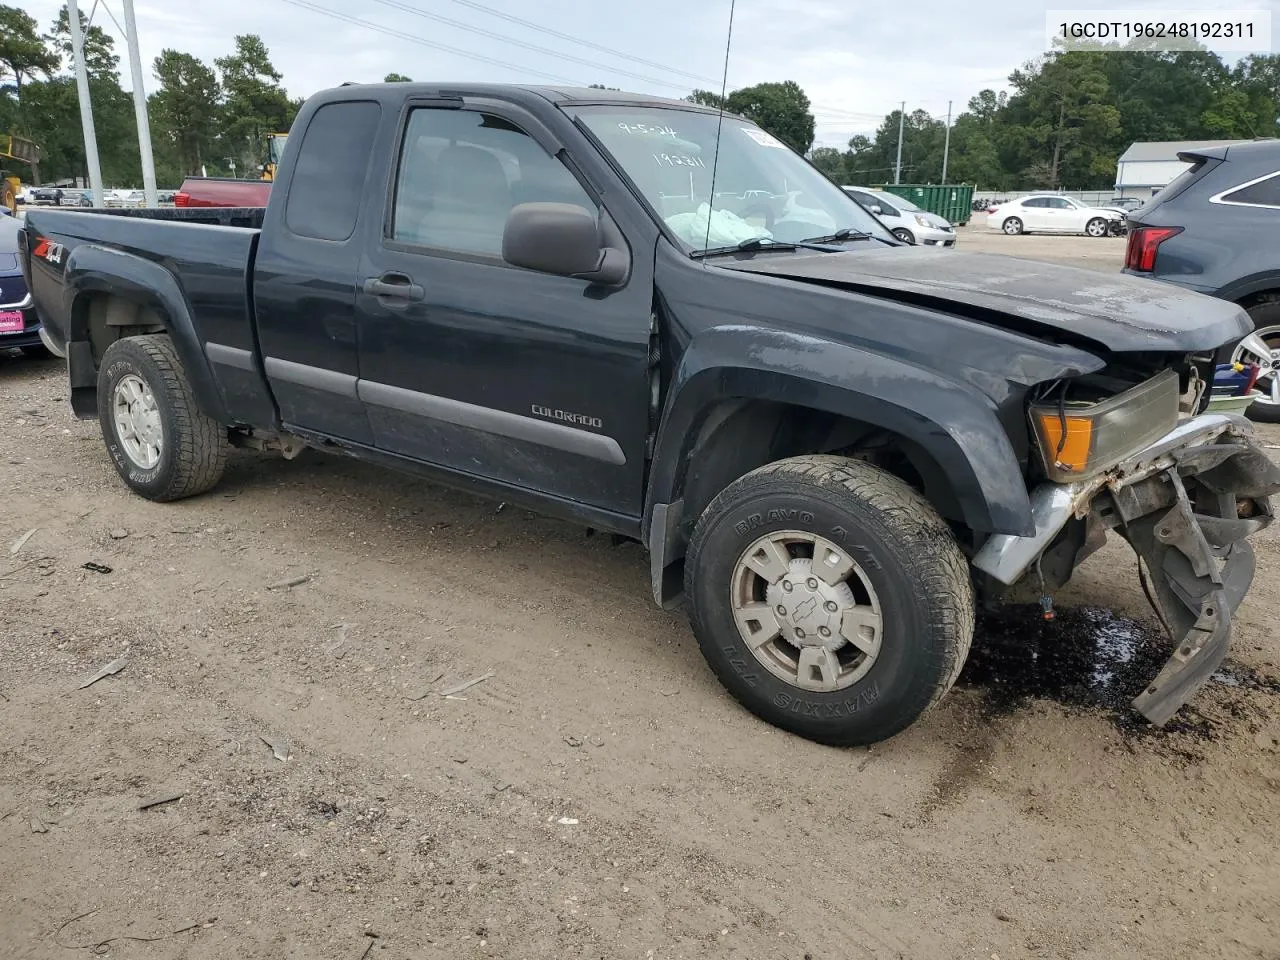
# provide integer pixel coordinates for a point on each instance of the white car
(904, 219)
(125, 198)
(1049, 213)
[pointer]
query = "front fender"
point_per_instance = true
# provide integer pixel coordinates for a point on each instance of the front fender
(953, 422)
(94, 270)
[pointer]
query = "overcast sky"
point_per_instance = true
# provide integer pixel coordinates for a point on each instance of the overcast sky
(856, 60)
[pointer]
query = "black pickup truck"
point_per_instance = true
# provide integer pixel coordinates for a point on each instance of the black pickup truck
(656, 321)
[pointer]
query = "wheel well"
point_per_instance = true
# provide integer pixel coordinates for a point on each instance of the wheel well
(740, 436)
(98, 321)
(1257, 297)
(107, 318)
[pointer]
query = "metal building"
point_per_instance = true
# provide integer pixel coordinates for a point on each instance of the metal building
(1146, 167)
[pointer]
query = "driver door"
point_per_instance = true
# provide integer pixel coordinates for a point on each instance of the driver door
(528, 379)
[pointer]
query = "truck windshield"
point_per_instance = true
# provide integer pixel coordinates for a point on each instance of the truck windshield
(762, 188)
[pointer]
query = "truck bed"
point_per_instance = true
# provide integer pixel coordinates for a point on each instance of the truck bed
(216, 216)
(193, 261)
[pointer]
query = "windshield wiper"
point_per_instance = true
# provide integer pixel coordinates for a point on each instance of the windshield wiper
(844, 233)
(760, 243)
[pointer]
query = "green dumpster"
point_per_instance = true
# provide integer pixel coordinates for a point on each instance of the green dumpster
(951, 201)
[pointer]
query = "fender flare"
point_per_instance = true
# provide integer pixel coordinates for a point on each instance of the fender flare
(952, 422)
(1248, 286)
(93, 270)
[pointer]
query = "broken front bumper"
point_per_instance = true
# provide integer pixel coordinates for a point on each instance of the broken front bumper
(1187, 504)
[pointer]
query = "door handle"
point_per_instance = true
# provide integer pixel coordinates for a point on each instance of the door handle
(394, 285)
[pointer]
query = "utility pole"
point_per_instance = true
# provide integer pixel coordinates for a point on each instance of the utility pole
(140, 107)
(946, 147)
(86, 105)
(897, 164)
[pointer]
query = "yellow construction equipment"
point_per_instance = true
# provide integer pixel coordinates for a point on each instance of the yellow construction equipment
(20, 149)
(275, 149)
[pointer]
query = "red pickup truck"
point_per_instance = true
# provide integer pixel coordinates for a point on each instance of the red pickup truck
(222, 192)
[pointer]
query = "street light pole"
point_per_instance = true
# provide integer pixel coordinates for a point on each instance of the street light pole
(897, 164)
(86, 105)
(140, 107)
(946, 148)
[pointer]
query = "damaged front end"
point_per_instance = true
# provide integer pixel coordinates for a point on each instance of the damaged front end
(1187, 502)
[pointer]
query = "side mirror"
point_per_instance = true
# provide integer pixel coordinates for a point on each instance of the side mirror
(561, 239)
(876, 208)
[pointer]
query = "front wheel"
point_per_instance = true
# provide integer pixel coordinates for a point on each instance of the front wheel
(162, 445)
(1263, 348)
(1012, 226)
(904, 235)
(829, 598)
(1097, 227)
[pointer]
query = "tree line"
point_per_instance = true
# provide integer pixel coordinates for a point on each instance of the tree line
(1065, 122)
(202, 117)
(1068, 118)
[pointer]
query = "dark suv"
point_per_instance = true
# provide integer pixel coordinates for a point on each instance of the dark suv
(1213, 230)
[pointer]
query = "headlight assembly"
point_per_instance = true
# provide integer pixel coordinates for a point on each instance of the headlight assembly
(1080, 440)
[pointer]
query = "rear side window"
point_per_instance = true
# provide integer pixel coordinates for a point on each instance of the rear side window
(1199, 167)
(1036, 202)
(1264, 192)
(329, 171)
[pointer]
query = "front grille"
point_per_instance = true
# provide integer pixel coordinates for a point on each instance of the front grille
(13, 290)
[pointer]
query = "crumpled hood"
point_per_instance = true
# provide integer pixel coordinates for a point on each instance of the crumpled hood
(1120, 313)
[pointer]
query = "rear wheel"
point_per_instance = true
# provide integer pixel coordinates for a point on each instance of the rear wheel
(829, 598)
(162, 446)
(1263, 348)
(1012, 226)
(1097, 227)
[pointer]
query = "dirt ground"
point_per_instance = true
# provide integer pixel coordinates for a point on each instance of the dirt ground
(597, 794)
(1103, 253)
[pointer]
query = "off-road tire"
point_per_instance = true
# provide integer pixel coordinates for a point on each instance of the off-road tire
(1264, 315)
(194, 451)
(905, 549)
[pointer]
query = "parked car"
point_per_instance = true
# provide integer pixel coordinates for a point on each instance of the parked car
(222, 192)
(904, 219)
(831, 443)
(125, 198)
(1213, 229)
(1124, 204)
(43, 196)
(19, 325)
(77, 198)
(1050, 213)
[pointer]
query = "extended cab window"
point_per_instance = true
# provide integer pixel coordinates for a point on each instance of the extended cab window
(460, 174)
(328, 175)
(1259, 193)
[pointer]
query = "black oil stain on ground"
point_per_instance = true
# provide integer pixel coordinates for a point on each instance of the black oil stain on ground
(1088, 659)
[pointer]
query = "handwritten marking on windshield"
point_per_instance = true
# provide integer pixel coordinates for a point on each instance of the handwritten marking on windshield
(678, 160)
